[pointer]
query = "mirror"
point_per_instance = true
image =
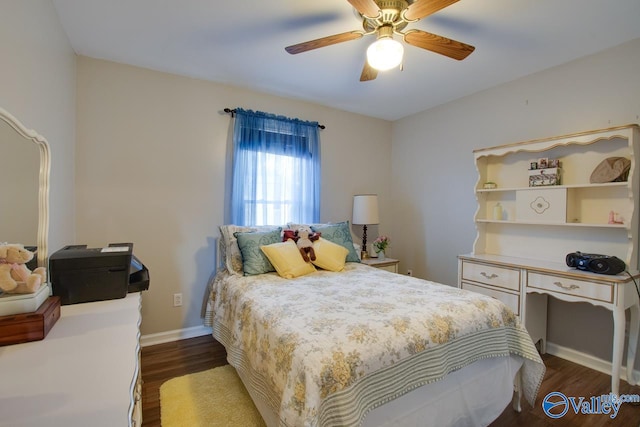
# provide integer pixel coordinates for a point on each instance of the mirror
(24, 170)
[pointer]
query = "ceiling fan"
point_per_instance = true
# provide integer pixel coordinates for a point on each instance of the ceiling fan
(384, 18)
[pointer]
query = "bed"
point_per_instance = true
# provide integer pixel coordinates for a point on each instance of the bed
(354, 345)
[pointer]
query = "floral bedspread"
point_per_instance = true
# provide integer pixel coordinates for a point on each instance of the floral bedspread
(326, 348)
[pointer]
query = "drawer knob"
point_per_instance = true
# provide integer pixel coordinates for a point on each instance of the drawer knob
(489, 276)
(571, 287)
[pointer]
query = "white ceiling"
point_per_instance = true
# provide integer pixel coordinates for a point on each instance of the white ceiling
(241, 42)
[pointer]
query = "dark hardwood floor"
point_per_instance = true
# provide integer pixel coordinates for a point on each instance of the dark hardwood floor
(162, 362)
(165, 361)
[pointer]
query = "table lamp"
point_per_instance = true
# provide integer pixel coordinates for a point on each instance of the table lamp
(365, 212)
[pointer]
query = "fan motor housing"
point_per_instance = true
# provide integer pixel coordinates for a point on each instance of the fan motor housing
(390, 14)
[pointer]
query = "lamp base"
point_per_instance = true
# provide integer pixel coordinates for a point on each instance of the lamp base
(364, 254)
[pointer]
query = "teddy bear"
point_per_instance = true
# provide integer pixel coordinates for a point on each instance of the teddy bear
(15, 277)
(304, 240)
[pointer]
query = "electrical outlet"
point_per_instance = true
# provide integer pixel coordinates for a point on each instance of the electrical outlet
(177, 300)
(409, 272)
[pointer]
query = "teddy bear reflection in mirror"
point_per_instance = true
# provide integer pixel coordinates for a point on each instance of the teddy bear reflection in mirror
(304, 239)
(15, 277)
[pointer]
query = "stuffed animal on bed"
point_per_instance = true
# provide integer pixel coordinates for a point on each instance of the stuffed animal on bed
(305, 237)
(15, 277)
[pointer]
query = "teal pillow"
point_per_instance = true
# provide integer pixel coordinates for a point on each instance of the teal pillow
(341, 234)
(253, 260)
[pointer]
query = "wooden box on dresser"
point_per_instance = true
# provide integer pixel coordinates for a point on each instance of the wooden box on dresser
(525, 233)
(85, 372)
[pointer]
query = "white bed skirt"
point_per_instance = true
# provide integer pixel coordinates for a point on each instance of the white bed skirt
(473, 396)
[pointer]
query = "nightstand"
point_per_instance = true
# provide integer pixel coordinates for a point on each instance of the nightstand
(388, 264)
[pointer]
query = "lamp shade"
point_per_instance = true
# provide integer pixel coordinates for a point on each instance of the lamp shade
(385, 54)
(365, 209)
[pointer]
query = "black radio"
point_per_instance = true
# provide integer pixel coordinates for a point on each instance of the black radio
(596, 263)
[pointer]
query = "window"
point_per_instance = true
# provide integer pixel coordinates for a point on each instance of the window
(276, 170)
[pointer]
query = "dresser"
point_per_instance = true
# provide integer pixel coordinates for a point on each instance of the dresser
(85, 372)
(529, 218)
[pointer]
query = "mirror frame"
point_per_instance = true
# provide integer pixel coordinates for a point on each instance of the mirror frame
(43, 193)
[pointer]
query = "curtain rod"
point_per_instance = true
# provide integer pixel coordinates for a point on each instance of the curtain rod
(232, 112)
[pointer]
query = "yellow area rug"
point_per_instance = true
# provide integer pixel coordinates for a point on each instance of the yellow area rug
(210, 398)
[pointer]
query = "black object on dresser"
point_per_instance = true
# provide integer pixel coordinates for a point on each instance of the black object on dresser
(79, 274)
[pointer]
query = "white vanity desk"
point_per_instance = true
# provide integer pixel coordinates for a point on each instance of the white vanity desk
(85, 372)
(525, 231)
(524, 285)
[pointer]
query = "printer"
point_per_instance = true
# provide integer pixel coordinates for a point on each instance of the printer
(80, 274)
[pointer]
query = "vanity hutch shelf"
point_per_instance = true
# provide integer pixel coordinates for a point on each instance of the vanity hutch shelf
(584, 222)
(524, 233)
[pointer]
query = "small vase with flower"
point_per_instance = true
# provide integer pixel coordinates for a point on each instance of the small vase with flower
(380, 245)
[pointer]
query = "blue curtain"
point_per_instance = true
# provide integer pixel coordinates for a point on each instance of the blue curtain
(276, 170)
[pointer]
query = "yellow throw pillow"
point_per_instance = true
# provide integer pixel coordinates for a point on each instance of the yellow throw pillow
(287, 260)
(329, 256)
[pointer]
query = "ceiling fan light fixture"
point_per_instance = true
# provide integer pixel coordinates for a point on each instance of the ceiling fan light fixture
(385, 53)
(386, 19)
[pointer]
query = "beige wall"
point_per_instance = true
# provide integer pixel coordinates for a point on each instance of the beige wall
(151, 158)
(434, 174)
(37, 86)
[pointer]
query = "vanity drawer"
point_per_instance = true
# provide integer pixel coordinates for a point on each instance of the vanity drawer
(507, 278)
(510, 300)
(569, 286)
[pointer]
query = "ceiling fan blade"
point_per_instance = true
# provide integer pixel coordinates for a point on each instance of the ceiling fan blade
(325, 41)
(422, 8)
(442, 45)
(366, 7)
(368, 72)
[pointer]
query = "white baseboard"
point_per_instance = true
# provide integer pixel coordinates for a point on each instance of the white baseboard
(175, 335)
(587, 360)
